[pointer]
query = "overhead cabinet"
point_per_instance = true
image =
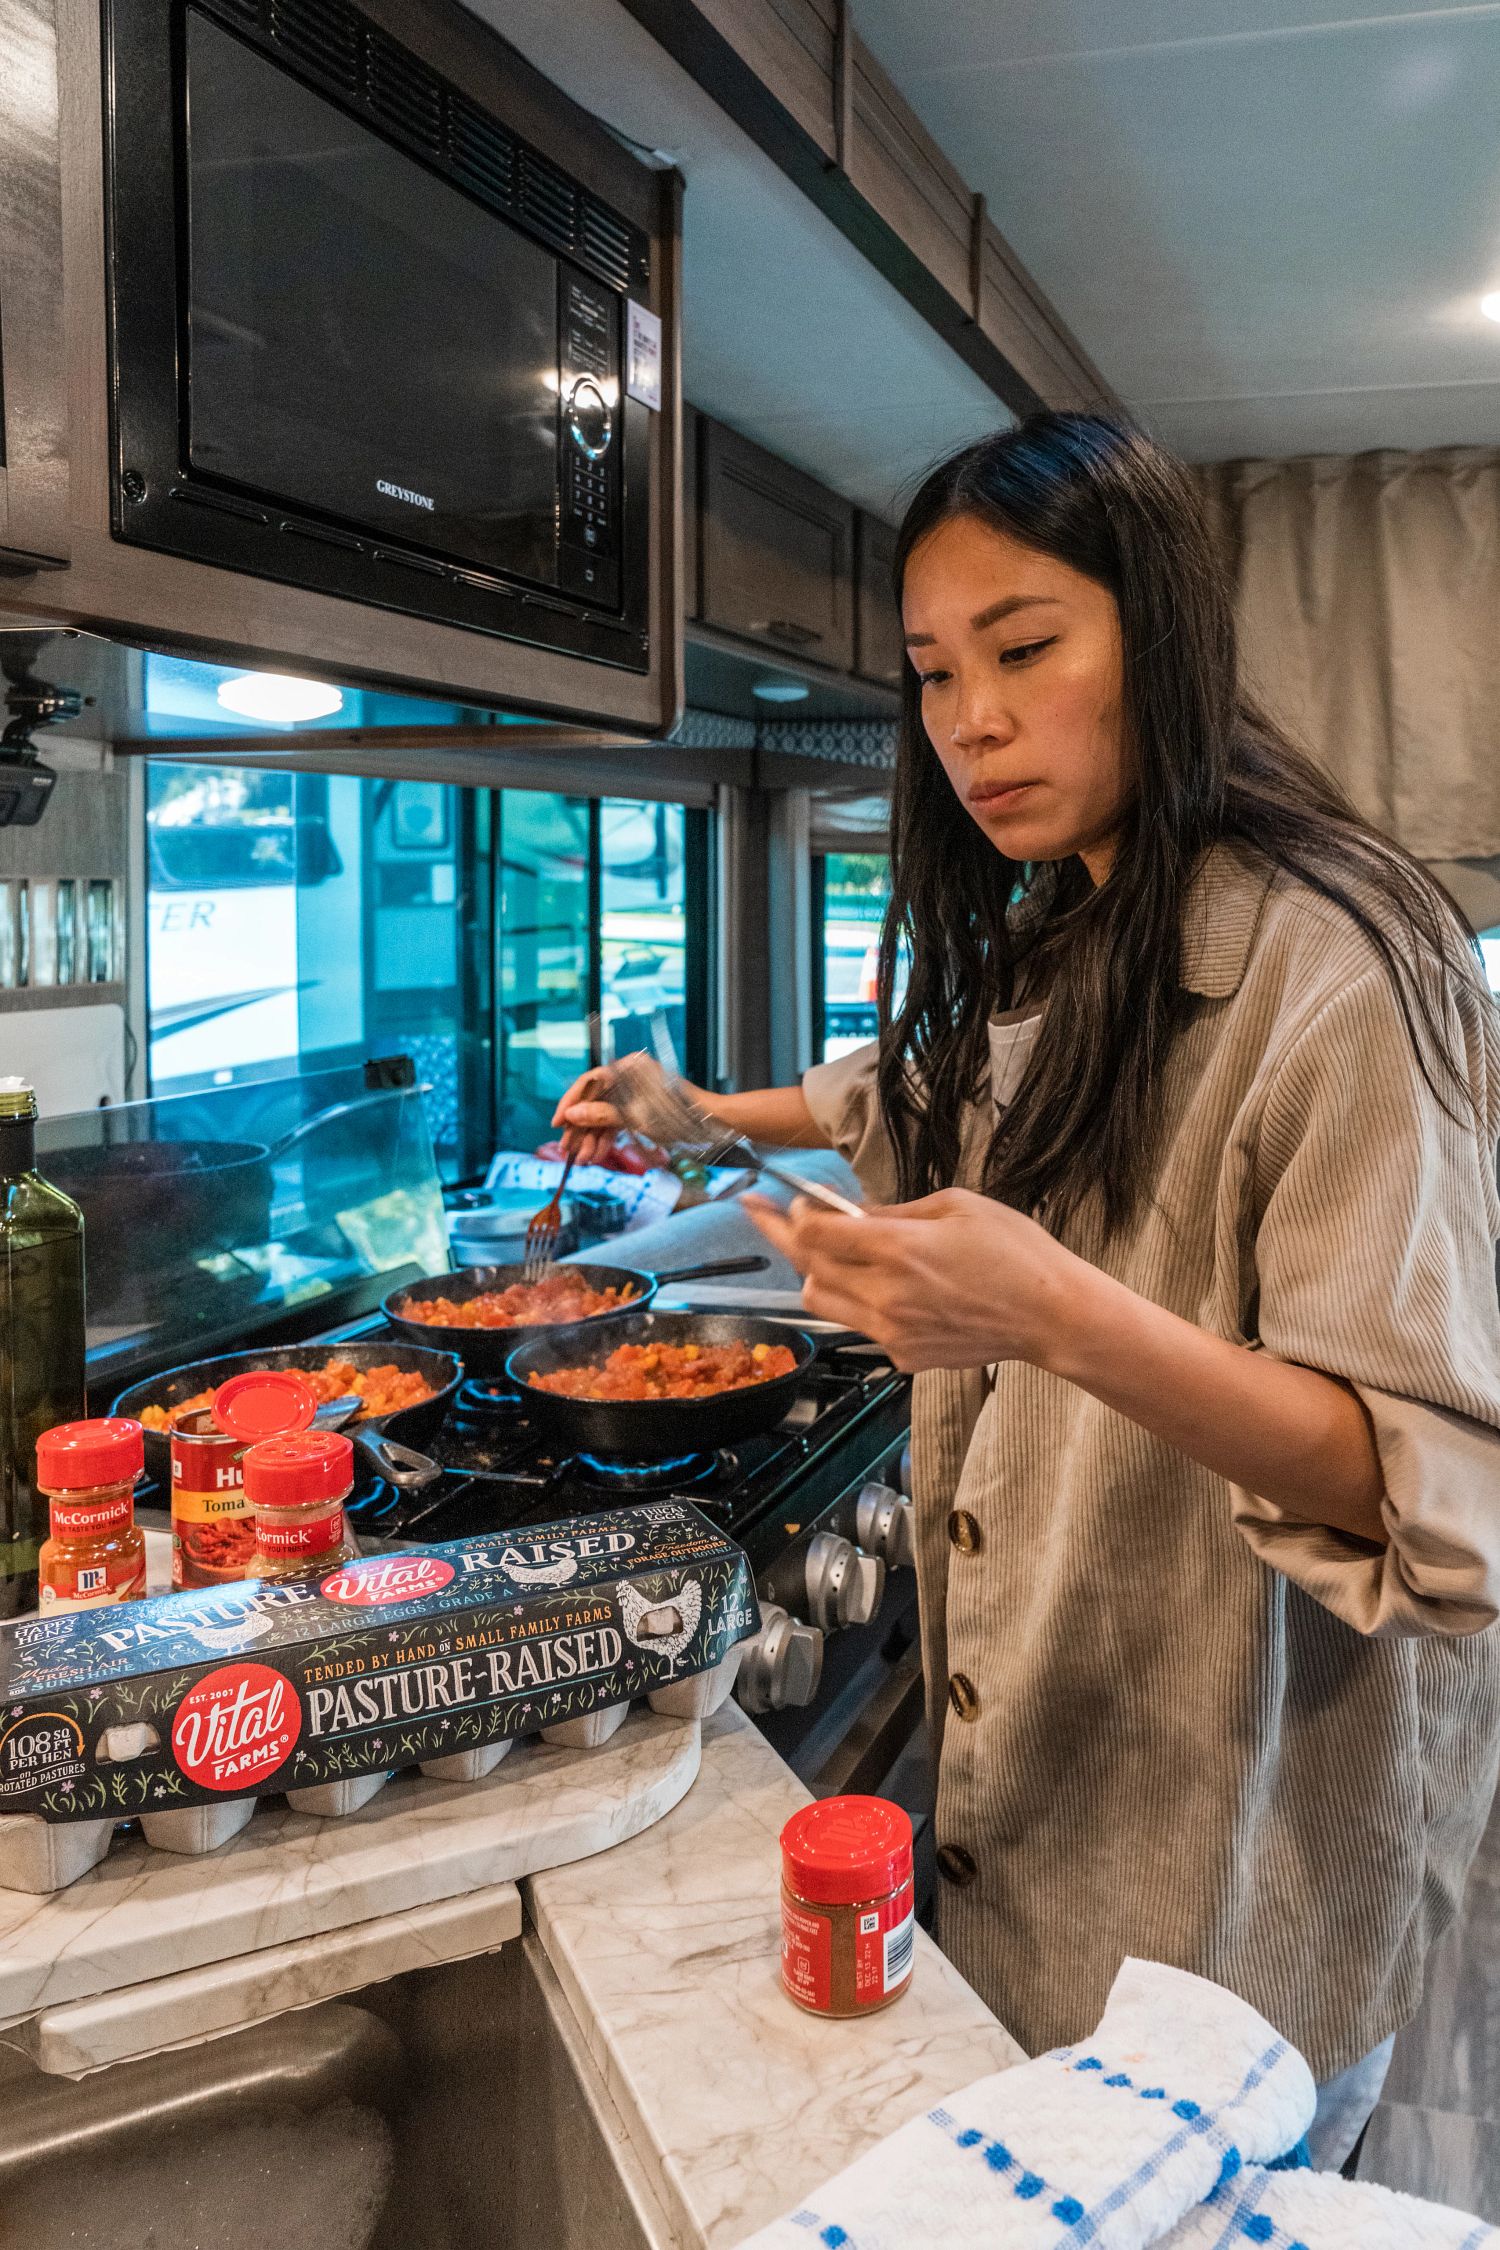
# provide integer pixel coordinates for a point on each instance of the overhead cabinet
(776, 553)
(879, 650)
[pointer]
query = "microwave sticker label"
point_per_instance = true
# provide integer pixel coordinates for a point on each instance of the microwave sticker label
(643, 356)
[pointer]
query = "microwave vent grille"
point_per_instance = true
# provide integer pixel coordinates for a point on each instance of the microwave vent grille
(548, 201)
(604, 242)
(481, 153)
(323, 35)
(404, 95)
(332, 42)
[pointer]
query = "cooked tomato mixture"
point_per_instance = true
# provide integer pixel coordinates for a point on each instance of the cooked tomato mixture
(562, 1296)
(672, 1371)
(225, 1546)
(384, 1390)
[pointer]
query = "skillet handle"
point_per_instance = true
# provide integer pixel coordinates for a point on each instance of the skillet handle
(400, 1465)
(717, 1266)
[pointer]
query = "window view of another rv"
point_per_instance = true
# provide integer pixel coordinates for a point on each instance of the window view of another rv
(850, 901)
(304, 921)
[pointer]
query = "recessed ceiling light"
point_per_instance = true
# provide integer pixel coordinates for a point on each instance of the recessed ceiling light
(278, 699)
(781, 691)
(1490, 305)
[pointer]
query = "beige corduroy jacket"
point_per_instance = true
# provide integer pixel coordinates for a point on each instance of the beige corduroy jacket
(1176, 1722)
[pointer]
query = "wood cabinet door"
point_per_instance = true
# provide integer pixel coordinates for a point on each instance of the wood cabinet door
(879, 651)
(776, 556)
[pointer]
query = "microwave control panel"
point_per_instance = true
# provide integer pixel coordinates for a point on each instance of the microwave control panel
(589, 402)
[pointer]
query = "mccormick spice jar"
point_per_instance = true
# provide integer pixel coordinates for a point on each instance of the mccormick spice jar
(297, 1486)
(213, 1523)
(847, 1929)
(95, 1554)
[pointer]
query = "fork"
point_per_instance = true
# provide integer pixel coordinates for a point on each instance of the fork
(659, 1108)
(543, 1230)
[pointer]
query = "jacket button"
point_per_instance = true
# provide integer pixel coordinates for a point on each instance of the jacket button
(964, 1531)
(956, 1865)
(964, 1696)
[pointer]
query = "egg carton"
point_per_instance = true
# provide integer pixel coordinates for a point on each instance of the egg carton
(39, 1855)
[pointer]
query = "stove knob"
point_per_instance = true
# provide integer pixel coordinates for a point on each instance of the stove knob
(781, 1665)
(883, 1526)
(843, 1586)
(903, 1474)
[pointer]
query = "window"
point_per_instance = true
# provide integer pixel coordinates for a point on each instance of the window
(302, 921)
(603, 932)
(1489, 947)
(850, 893)
(543, 911)
(502, 939)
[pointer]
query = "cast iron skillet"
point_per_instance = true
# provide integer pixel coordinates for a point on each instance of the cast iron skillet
(484, 1351)
(656, 1429)
(385, 1438)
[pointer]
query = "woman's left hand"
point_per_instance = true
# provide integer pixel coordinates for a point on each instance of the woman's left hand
(953, 1280)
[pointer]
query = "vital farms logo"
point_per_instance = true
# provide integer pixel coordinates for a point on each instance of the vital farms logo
(403, 492)
(394, 1578)
(237, 1727)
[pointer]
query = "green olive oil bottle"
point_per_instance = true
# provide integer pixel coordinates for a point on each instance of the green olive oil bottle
(41, 1336)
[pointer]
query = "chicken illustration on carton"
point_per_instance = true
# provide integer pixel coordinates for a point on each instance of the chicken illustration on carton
(249, 1689)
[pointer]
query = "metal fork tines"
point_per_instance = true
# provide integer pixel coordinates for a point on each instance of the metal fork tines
(544, 1230)
(661, 1110)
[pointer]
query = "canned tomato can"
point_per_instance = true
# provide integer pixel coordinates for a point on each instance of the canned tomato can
(213, 1524)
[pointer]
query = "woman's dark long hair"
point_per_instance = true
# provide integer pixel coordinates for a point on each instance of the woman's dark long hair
(1210, 767)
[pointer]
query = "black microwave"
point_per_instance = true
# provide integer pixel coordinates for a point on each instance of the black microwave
(366, 338)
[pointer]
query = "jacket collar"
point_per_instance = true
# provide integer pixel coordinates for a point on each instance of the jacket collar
(1221, 914)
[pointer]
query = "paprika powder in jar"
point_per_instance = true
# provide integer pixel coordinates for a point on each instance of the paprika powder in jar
(297, 1486)
(848, 1932)
(95, 1553)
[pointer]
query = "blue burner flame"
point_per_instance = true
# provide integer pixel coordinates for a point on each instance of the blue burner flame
(632, 1471)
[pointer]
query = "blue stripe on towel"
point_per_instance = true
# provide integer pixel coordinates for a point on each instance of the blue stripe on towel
(1197, 2124)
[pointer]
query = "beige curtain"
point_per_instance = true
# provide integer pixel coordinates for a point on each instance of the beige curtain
(1368, 596)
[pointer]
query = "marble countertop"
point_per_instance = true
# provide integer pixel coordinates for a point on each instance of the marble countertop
(668, 1951)
(143, 1914)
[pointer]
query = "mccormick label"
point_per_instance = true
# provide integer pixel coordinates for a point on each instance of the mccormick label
(94, 1585)
(254, 1687)
(312, 1536)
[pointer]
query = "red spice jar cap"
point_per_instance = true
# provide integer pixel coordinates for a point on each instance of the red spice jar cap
(264, 1402)
(75, 1455)
(843, 1849)
(295, 1471)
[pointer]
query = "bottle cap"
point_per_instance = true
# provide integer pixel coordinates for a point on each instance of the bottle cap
(17, 1098)
(295, 1471)
(75, 1455)
(843, 1849)
(265, 1402)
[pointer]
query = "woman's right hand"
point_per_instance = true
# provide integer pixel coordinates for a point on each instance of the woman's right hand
(588, 1119)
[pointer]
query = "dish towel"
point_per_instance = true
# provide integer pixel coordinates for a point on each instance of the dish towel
(1108, 2144)
(1259, 2210)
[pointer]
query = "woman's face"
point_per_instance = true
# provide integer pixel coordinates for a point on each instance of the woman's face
(1021, 672)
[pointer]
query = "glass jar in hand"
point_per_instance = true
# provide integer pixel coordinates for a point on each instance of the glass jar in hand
(96, 1553)
(297, 1486)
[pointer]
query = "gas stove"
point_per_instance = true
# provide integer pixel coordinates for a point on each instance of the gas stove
(818, 1503)
(499, 1472)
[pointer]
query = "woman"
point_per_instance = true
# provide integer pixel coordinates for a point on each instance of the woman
(1187, 1121)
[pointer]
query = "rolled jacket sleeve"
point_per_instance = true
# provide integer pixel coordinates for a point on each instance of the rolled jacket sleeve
(844, 1103)
(1374, 1261)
